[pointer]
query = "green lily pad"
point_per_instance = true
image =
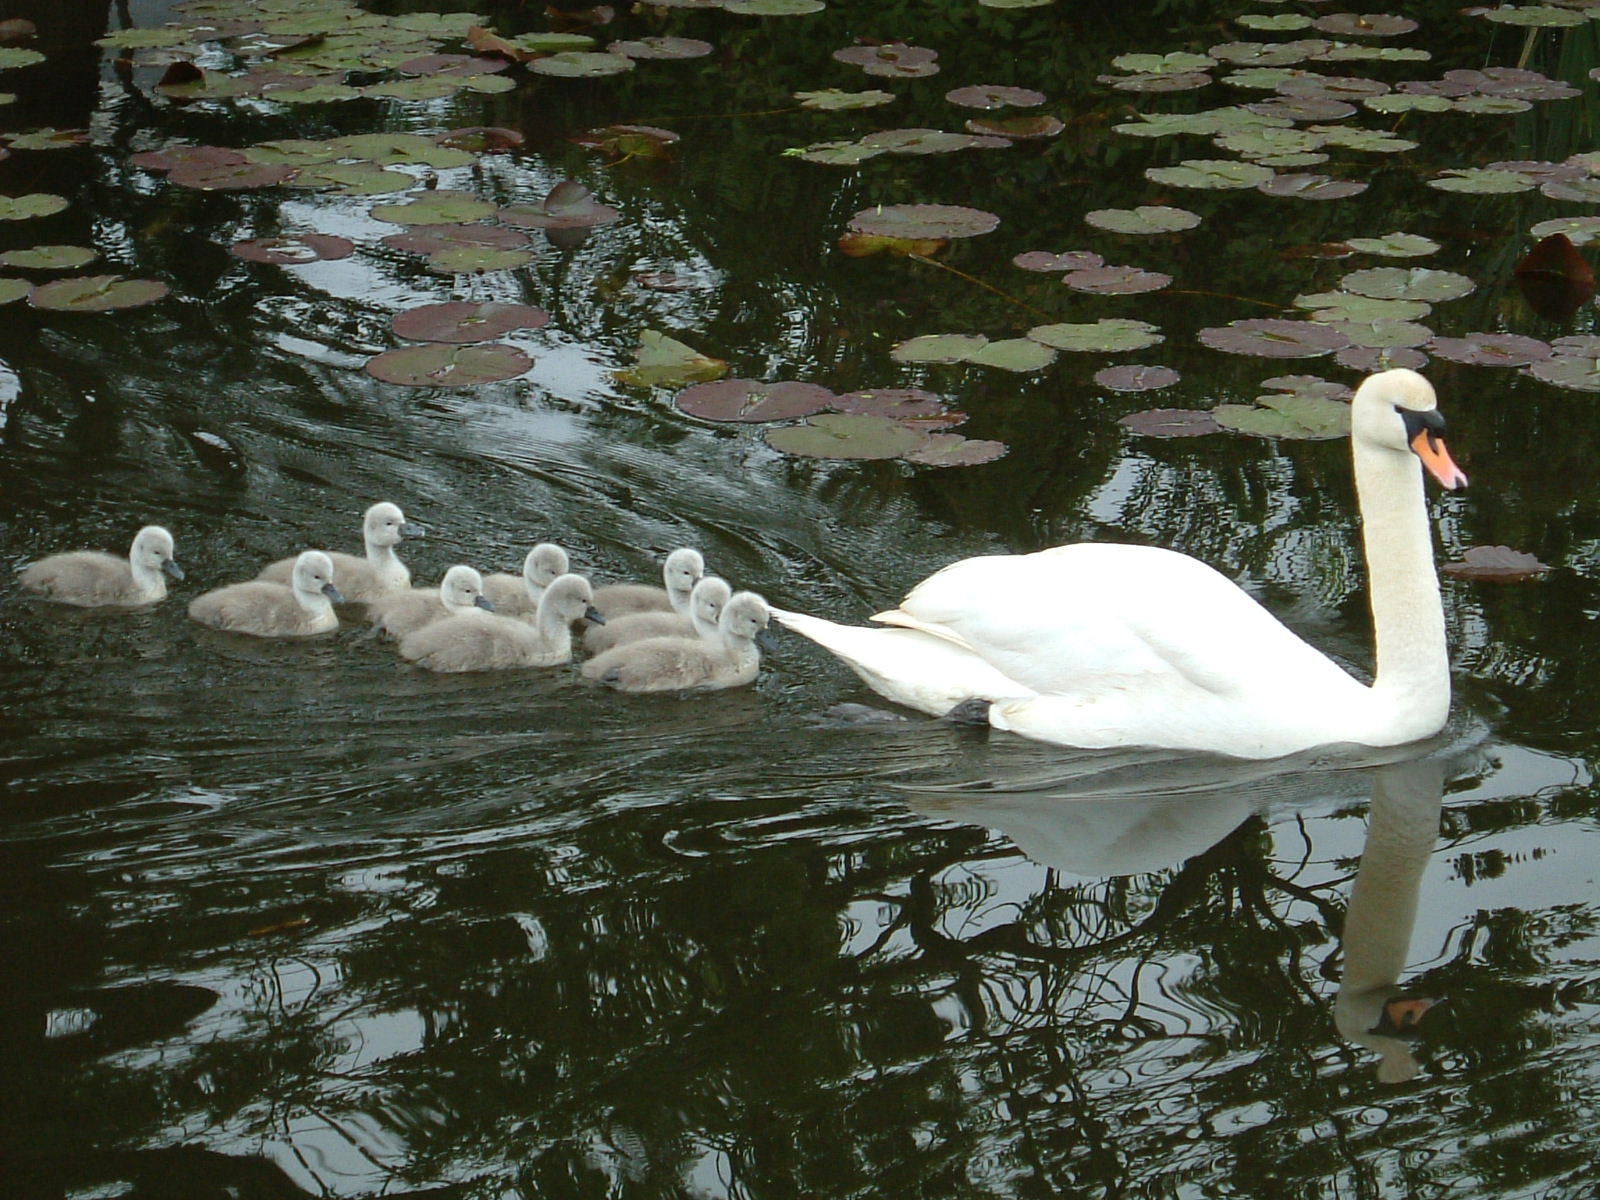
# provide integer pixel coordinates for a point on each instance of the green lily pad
(919, 141)
(435, 208)
(352, 179)
(1263, 141)
(1311, 187)
(581, 64)
(461, 321)
(1579, 230)
(1269, 54)
(846, 435)
(440, 365)
(1346, 306)
(992, 96)
(289, 152)
(1577, 191)
(1291, 162)
(1291, 416)
(834, 100)
(953, 450)
(1133, 377)
(1481, 181)
(96, 293)
(1399, 245)
(1177, 61)
(1408, 283)
(1492, 349)
(1363, 24)
(1264, 78)
(1209, 173)
(144, 39)
(664, 361)
(1368, 361)
(47, 139)
(13, 289)
(475, 260)
(553, 43)
(294, 248)
(14, 57)
(938, 348)
(1490, 106)
(1281, 23)
(439, 25)
(1398, 102)
(1106, 334)
(1274, 337)
(568, 205)
(34, 204)
(774, 8)
(918, 221)
(1374, 141)
(400, 149)
(1116, 281)
(751, 400)
(835, 154)
(1384, 334)
(481, 139)
(321, 93)
(1187, 81)
(1014, 354)
(1534, 16)
(1304, 108)
(49, 258)
(427, 87)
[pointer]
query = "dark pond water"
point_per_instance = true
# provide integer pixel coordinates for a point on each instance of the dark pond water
(290, 920)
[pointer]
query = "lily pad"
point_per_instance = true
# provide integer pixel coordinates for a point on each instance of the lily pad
(1364, 24)
(1106, 334)
(14, 57)
(752, 400)
(1481, 181)
(480, 139)
(1116, 281)
(1186, 81)
(1016, 127)
(938, 348)
(1171, 422)
(1269, 54)
(919, 141)
(661, 360)
(1133, 377)
(294, 248)
(774, 8)
(467, 260)
(1209, 173)
(1370, 140)
(1580, 231)
(1578, 191)
(992, 96)
(168, 157)
(435, 208)
(208, 177)
(581, 64)
(1304, 108)
(1396, 102)
(96, 293)
(1305, 385)
(460, 321)
(431, 239)
(1491, 349)
(899, 403)
(1289, 416)
(400, 149)
(1279, 23)
(953, 450)
(864, 245)
(1579, 373)
(1067, 260)
(662, 48)
(1014, 354)
(49, 258)
(47, 139)
(1408, 283)
(33, 204)
(924, 221)
(1369, 360)
(1346, 306)
(1397, 245)
(1534, 16)
(846, 435)
(352, 179)
(834, 100)
(13, 289)
(1311, 187)
(835, 154)
(1274, 337)
(440, 365)
(568, 205)
(1145, 219)
(1383, 334)
(1496, 564)
(629, 141)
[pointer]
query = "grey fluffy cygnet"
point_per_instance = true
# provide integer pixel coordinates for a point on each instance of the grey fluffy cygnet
(689, 664)
(473, 640)
(681, 571)
(400, 613)
(518, 595)
(92, 579)
(261, 608)
(705, 609)
(361, 579)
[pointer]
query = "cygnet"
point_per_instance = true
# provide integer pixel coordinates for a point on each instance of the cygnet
(262, 608)
(473, 640)
(400, 613)
(705, 608)
(518, 595)
(92, 579)
(362, 579)
(682, 570)
(679, 664)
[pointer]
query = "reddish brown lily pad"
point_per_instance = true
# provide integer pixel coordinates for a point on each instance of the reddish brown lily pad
(1132, 377)
(992, 96)
(168, 157)
(953, 450)
(662, 47)
(1311, 187)
(439, 365)
(924, 221)
(1275, 337)
(461, 321)
(1496, 564)
(899, 403)
(568, 205)
(294, 248)
(1491, 349)
(211, 177)
(1115, 281)
(1067, 260)
(753, 400)
(1171, 422)
(432, 239)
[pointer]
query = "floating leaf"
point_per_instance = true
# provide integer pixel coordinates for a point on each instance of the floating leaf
(581, 64)
(480, 139)
(864, 245)
(96, 293)
(1171, 422)
(431, 239)
(1310, 85)
(919, 141)
(752, 400)
(1305, 385)
(1269, 54)
(924, 221)
(1351, 138)
(1346, 306)
(33, 204)
(568, 205)
(1014, 354)
(1368, 360)
(629, 141)
(1580, 372)
(1135, 378)
(832, 99)
(1578, 191)
(1490, 106)
(400, 149)
(774, 8)
(1209, 173)
(294, 248)
(13, 289)
(1291, 161)
(351, 179)
(953, 450)
(899, 403)
(1115, 281)
(1311, 187)
(1068, 260)
(209, 177)
(49, 258)
(938, 348)
(459, 321)
(286, 152)
(1304, 108)
(1265, 141)
(1186, 81)
(439, 365)
(47, 139)
(435, 208)
(1491, 349)
(1407, 283)
(1106, 334)
(992, 96)
(846, 435)
(1364, 24)
(1481, 181)
(1289, 416)
(15, 57)
(1496, 564)
(836, 154)
(550, 43)
(1536, 16)
(662, 47)
(1274, 337)
(1147, 218)
(1382, 334)
(1016, 127)
(1395, 245)
(665, 361)
(462, 260)
(1399, 103)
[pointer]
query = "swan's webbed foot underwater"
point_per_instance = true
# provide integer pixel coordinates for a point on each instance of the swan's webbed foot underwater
(970, 712)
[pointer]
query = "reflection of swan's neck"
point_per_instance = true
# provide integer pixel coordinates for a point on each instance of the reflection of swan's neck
(1412, 678)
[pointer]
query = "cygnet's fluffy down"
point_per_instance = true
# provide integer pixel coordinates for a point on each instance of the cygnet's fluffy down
(362, 579)
(400, 613)
(518, 595)
(681, 571)
(92, 579)
(705, 609)
(300, 608)
(678, 664)
(479, 641)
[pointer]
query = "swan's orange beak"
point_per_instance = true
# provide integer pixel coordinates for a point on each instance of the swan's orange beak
(1429, 447)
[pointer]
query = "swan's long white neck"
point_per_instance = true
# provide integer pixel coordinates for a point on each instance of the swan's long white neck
(1412, 677)
(555, 631)
(314, 602)
(147, 579)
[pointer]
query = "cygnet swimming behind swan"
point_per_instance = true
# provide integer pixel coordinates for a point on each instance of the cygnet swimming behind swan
(262, 608)
(681, 571)
(473, 640)
(383, 527)
(400, 613)
(683, 664)
(705, 609)
(92, 579)
(518, 595)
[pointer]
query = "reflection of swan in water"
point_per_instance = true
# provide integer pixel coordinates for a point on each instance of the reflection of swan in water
(1402, 829)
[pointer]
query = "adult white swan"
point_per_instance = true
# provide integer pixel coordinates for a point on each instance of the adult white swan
(1098, 644)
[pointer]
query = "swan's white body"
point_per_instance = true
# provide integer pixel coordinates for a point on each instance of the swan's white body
(399, 613)
(474, 640)
(706, 603)
(378, 572)
(92, 579)
(1099, 644)
(690, 664)
(261, 608)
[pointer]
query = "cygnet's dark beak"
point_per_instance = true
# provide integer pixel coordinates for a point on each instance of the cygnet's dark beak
(484, 603)
(332, 593)
(409, 529)
(171, 567)
(767, 640)
(594, 614)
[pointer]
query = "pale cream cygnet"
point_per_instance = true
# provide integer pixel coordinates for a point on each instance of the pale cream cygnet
(684, 664)
(518, 595)
(400, 613)
(706, 602)
(473, 640)
(361, 579)
(93, 579)
(261, 608)
(681, 571)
